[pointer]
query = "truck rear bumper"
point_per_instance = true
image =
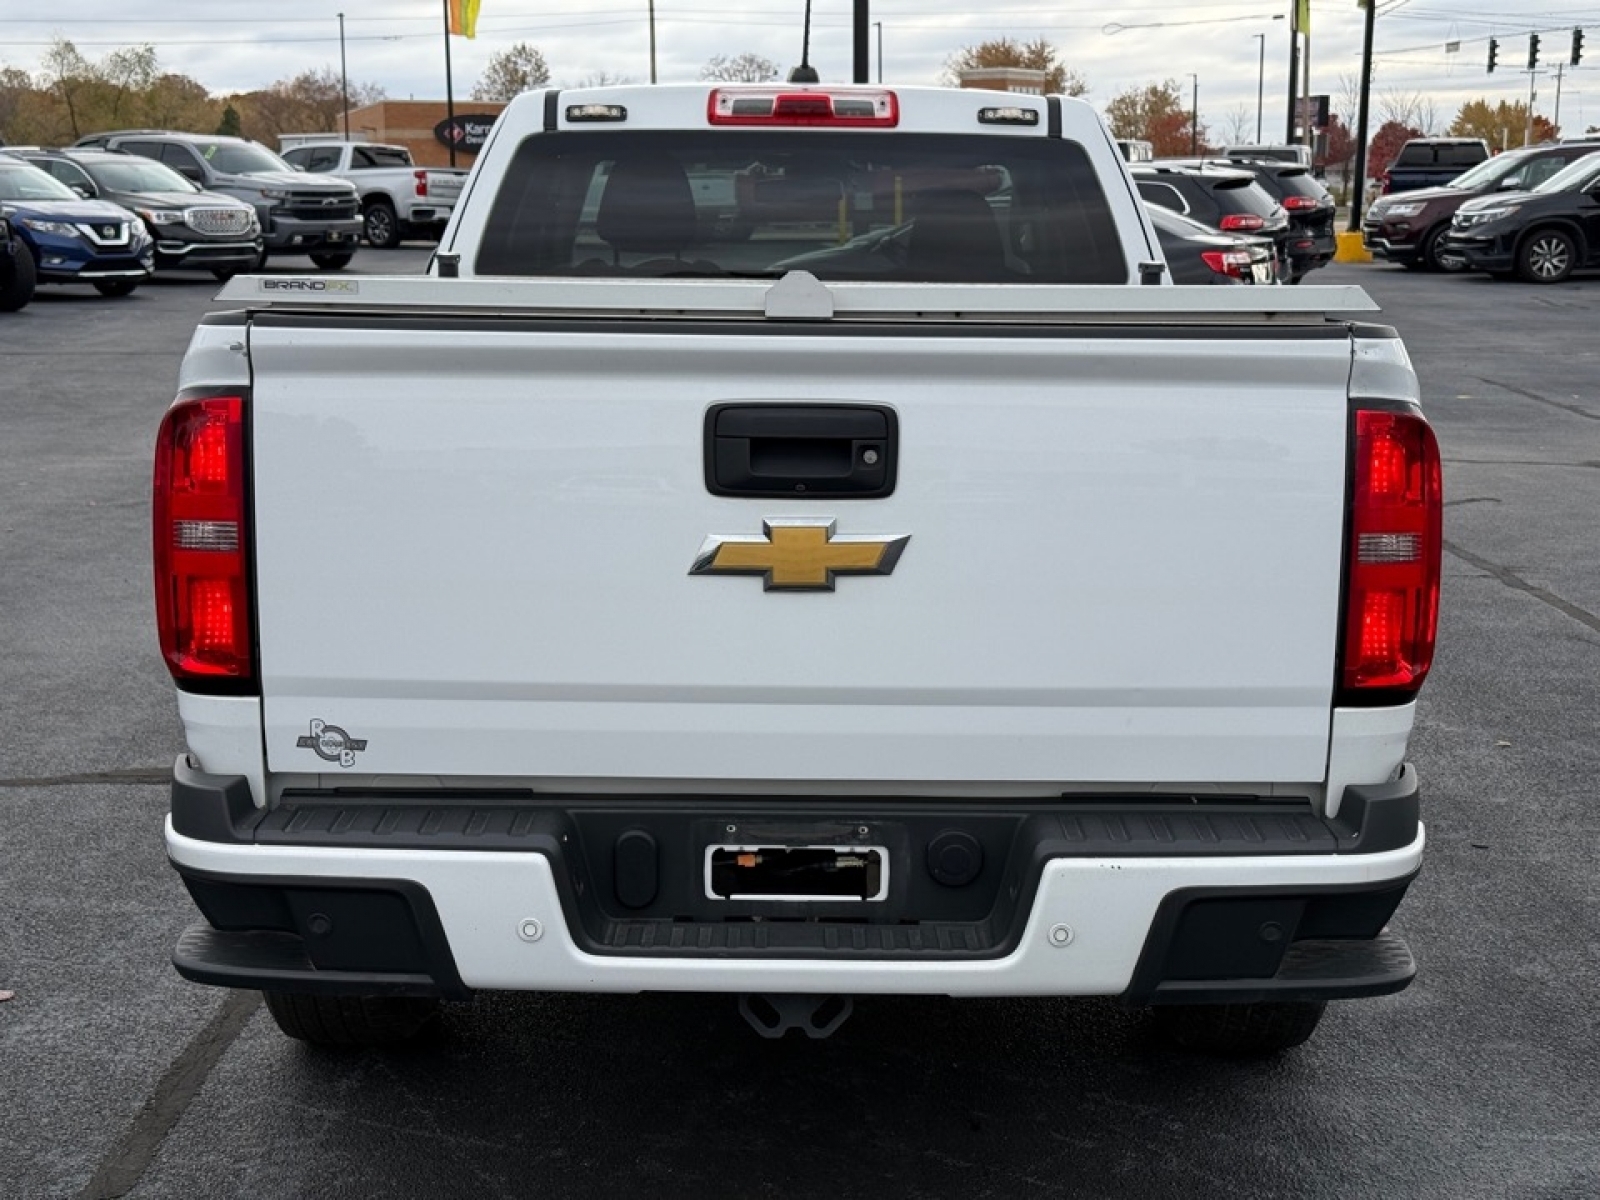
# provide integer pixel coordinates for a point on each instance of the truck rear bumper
(387, 896)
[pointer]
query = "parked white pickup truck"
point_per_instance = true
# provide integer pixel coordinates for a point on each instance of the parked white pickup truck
(398, 198)
(899, 588)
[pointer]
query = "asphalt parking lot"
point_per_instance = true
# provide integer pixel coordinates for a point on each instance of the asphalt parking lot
(1481, 1080)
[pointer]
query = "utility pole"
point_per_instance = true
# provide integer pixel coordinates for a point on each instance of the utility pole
(344, 81)
(1358, 193)
(1261, 79)
(1305, 90)
(1294, 67)
(449, 86)
(652, 40)
(1194, 119)
(1533, 94)
(1559, 68)
(861, 27)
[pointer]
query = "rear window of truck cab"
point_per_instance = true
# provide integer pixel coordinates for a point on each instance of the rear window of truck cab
(841, 205)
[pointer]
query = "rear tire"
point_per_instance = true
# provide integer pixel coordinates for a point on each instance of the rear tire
(345, 1021)
(23, 280)
(116, 287)
(1239, 1030)
(332, 262)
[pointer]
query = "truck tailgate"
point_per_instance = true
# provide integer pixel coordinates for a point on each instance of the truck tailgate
(474, 540)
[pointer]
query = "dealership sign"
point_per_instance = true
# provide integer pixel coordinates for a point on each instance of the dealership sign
(465, 132)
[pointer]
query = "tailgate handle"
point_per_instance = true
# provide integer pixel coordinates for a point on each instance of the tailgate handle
(842, 451)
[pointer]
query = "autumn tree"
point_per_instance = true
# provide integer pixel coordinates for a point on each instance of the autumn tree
(1501, 125)
(1341, 146)
(1037, 55)
(1386, 144)
(510, 72)
(178, 102)
(311, 102)
(71, 79)
(74, 95)
(1158, 114)
(740, 68)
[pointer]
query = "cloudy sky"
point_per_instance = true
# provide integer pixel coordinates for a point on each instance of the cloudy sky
(398, 44)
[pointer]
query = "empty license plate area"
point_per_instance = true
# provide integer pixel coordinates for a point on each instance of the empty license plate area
(796, 873)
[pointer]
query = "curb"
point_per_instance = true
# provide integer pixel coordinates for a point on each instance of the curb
(1351, 249)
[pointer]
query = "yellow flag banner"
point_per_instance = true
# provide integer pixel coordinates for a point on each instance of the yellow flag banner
(463, 17)
(1302, 15)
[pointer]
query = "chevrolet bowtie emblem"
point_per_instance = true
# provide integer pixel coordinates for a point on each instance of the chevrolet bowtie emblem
(799, 555)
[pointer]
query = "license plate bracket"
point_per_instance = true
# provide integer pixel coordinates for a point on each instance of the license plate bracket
(796, 873)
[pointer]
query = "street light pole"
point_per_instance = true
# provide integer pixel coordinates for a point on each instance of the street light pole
(344, 81)
(1294, 71)
(652, 40)
(1261, 80)
(878, 25)
(1194, 119)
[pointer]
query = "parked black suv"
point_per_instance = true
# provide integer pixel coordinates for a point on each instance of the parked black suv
(193, 229)
(1224, 198)
(1542, 236)
(1410, 228)
(1310, 207)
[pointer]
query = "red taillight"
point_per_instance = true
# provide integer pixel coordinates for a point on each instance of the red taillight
(780, 104)
(1299, 203)
(1241, 223)
(1396, 537)
(201, 542)
(1227, 262)
(422, 182)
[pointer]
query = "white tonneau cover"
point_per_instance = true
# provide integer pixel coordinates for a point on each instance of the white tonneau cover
(798, 296)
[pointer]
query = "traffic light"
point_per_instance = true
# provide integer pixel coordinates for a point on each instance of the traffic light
(1577, 46)
(1533, 51)
(1494, 53)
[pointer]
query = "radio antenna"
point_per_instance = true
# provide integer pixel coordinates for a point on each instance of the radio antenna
(805, 72)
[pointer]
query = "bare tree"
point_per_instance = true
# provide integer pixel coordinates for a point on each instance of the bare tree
(1402, 108)
(1348, 96)
(1239, 126)
(741, 68)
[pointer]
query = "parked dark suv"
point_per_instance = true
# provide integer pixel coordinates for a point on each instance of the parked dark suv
(1309, 204)
(193, 229)
(1410, 228)
(1224, 198)
(1541, 236)
(299, 213)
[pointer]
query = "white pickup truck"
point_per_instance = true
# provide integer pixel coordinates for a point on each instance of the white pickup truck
(900, 588)
(398, 198)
